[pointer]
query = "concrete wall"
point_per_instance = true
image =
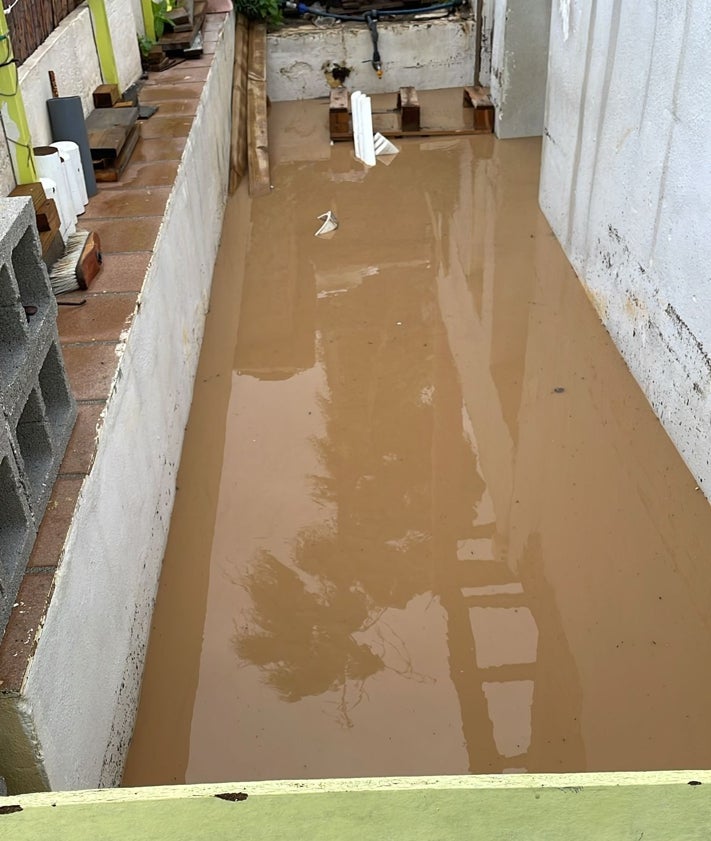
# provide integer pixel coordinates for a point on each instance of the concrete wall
(428, 55)
(125, 22)
(626, 187)
(519, 55)
(82, 688)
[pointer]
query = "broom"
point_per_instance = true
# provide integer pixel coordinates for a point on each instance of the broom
(79, 265)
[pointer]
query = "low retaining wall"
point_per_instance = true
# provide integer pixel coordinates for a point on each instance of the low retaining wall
(76, 709)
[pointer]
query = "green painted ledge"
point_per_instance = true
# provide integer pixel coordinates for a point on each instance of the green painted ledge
(659, 806)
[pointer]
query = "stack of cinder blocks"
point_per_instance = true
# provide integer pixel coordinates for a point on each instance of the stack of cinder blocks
(37, 410)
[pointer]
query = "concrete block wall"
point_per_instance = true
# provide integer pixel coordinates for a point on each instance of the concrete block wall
(37, 410)
(625, 185)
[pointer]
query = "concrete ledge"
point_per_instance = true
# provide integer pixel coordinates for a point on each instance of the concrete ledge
(427, 54)
(71, 703)
(597, 807)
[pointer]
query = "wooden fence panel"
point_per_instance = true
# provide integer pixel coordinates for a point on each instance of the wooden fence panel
(32, 21)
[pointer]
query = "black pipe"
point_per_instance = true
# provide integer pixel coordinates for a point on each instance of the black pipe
(372, 21)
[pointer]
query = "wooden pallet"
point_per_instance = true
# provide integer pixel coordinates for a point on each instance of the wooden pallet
(410, 122)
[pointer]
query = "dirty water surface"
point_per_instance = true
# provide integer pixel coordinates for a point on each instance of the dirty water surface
(426, 522)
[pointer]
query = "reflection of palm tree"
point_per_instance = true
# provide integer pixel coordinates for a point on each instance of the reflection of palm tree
(377, 473)
(305, 640)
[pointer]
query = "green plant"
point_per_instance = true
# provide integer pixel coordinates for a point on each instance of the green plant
(160, 16)
(144, 45)
(268, 11)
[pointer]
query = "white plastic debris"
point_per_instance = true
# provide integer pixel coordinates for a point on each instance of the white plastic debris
(383, 146)
(330, 223)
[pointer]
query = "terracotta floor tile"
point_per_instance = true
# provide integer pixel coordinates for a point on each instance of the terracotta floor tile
(158, 93)
(175, 108)
(181, 74)
(203, 61)
(102, 318)
(117, 202)
(18, 643)
(91, 369)
(133, 234)
(55, 523)
(167, 127)
(80, 450)
(151, 174)
(155, 149)
(122, 272)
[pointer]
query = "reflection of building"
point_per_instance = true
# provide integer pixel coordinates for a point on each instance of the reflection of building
(405, 469)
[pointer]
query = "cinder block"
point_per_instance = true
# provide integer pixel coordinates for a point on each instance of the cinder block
(17, 529)
(24, 282)
(37, 409)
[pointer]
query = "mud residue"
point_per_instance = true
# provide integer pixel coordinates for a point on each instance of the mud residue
(427, 522)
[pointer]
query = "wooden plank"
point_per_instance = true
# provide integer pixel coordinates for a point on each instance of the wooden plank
(478, 98)
(34, 190)
(338, 118)
(238, 139)
(409, 106)
(108, 129)
(105, 96)
(183, 40)
(111, 170)
(257, 138)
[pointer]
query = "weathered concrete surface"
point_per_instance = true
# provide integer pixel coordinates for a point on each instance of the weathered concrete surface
(519, 56)
(80, 693)
(625, 192)
(426, 54)
(597, 807)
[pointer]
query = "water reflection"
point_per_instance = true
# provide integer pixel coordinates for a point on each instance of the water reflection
(411, 511)
(449, 536)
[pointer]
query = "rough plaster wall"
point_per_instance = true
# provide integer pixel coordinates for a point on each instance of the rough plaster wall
(487, 23)
(519, 57)
(123, 26)
(138, 17)
(84, 679)
(435, 54)
(69, 51)
(626, 187)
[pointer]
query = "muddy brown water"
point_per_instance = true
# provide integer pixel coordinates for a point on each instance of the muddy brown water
(426, 521)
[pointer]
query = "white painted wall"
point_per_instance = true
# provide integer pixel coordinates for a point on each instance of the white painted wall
(69, 51)
(83, 683)
(428, 55)
(519, 56)
(626, 186)
(124, 22)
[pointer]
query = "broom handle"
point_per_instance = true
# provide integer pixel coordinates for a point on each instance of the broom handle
(53, 84)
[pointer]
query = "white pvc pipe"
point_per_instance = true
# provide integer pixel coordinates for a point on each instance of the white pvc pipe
(69, 151)
(49, 165)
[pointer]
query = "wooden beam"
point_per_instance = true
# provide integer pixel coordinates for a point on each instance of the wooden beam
(409, 106)
(257, 137)
(238, 139)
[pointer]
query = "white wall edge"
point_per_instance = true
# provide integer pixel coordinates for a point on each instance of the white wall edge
(83, 683)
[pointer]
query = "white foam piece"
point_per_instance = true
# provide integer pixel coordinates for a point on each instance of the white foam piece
(363, 128)
(383, 146)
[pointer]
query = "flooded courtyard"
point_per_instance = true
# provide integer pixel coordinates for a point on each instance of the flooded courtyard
(426, 521)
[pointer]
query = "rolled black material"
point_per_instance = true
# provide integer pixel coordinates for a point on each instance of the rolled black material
(66, 117)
